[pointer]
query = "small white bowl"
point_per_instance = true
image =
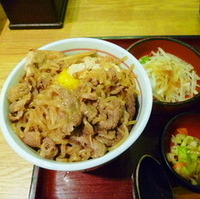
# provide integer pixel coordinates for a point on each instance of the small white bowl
(71, 46)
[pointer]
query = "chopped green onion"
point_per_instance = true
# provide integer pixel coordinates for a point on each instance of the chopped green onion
(144, 59)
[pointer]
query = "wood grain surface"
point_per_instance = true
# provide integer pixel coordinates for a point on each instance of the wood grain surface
(2, 18)
(85, 18)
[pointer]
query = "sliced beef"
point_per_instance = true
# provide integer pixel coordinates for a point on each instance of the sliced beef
(48, 148)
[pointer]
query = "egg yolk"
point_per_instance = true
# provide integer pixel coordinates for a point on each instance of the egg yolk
(67, 80)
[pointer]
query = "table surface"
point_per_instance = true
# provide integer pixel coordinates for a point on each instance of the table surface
(101, 18)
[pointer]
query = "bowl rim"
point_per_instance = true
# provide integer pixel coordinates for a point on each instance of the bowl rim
(136, 176)
(182, 180)
(163, 38)
(82, 165)
(155, 101)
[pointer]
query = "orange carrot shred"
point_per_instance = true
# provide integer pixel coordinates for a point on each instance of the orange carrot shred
(179, 165)
(183, 131)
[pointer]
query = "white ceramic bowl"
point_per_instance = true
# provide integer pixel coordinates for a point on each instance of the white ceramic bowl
(70, 46)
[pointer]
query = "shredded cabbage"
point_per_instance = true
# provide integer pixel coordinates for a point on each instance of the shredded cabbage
(172, 78)
(185, 157)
